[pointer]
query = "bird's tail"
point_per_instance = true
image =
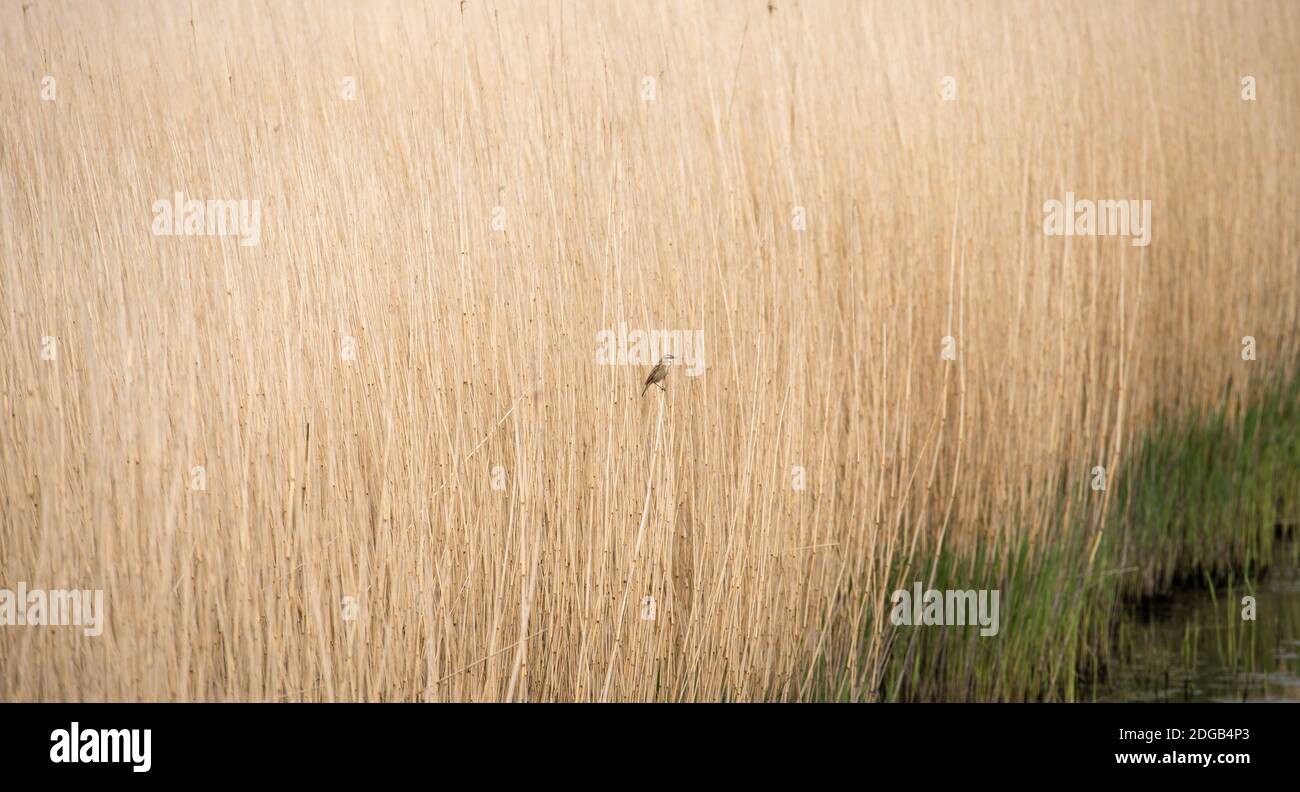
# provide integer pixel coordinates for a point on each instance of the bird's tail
(643, 390)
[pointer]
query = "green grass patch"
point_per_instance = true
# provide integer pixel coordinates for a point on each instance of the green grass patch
(1202, 501)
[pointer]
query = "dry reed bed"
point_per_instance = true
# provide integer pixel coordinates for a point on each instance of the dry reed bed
(371, 479)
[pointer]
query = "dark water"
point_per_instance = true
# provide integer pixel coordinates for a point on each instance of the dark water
(1195, 646)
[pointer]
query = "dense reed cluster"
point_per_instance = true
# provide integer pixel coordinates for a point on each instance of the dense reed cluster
(375, 456)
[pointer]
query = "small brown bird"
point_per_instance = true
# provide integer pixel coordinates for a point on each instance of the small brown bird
(658, 373)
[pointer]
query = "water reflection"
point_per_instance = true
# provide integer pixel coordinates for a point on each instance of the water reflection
(1195, 646)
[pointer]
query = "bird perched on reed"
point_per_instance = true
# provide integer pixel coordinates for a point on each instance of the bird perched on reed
(658, 373)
